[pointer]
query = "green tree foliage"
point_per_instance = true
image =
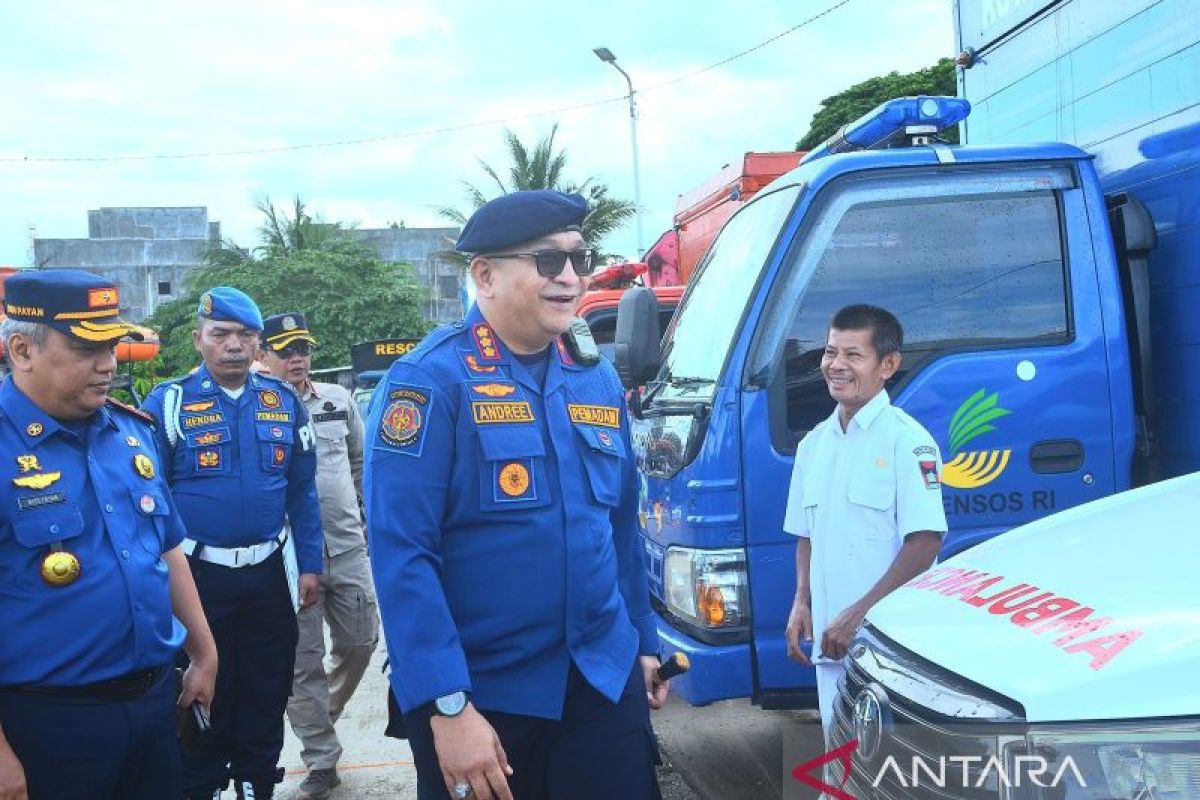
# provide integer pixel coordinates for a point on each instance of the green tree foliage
(346, 292)
(542, 167)
(849, 105)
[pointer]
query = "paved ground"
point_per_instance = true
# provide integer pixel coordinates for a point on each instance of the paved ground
(376, 766)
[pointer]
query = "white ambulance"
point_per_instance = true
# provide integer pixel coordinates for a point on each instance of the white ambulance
(1060, 661)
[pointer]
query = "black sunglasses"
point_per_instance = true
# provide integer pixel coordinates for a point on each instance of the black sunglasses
(295, 349)
(551, 262)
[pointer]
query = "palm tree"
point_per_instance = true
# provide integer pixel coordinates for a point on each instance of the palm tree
(542, 168)
(282, 235)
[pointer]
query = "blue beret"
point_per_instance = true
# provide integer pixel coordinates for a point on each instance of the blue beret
(520, 217)
(76, 303)
(282, 329)
(226, 304)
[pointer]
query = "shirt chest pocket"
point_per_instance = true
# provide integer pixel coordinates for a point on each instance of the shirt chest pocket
(512, 472)
(332, 433)
(274, 445)
(603, 455)
(41, 529)
(206, 453)
(873, 492)
(150, 510)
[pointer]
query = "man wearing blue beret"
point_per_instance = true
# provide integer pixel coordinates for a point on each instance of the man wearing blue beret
(502, 503)
(95, 592)
(242, 455)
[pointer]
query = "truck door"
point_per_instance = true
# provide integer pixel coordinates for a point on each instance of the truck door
(991, 273)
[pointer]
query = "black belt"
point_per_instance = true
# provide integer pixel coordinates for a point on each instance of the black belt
(120, 689)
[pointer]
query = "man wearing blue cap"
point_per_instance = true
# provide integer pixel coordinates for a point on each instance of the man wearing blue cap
(502, 504)
(242, 455)
(95, 593)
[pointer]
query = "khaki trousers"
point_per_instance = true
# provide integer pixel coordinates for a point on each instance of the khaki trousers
(347, 603)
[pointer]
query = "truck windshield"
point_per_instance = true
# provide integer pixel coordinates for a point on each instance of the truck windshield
(706, 324)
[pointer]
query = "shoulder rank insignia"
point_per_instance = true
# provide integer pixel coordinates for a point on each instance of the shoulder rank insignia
(142, 415)
(485, 343)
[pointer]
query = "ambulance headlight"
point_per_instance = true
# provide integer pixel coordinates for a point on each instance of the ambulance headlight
(1113, 761)
(707, 588)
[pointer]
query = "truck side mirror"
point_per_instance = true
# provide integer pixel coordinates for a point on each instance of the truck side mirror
(638, 337)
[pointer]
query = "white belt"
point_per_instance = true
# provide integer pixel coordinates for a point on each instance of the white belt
(234, 556)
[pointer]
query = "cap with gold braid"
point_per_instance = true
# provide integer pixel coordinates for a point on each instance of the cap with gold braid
(282, 329)
(73, 302)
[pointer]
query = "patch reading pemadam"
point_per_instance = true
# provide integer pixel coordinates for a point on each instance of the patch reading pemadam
(608, 416)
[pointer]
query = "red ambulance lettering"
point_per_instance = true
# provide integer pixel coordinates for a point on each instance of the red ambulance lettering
(1104, 648)
(1017, 601)
(1051, 608)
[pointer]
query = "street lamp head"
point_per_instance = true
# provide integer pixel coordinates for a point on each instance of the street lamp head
(604, 54)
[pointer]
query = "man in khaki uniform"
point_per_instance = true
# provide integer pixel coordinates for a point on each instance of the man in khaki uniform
(347, 599)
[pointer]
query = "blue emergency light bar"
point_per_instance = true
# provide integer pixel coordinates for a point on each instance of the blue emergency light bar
(892, 119)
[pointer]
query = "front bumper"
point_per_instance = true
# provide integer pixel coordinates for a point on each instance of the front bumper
(718, 672)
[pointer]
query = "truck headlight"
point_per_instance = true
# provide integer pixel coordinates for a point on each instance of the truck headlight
(707, 587)
(1119, 761)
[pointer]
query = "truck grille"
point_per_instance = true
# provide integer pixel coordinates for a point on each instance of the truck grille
(928, 747)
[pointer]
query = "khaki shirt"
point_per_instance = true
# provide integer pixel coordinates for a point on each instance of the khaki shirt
(339, 430)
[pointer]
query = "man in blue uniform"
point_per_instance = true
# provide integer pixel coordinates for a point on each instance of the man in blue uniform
(502, 506)
(242, 456)
(95, 593)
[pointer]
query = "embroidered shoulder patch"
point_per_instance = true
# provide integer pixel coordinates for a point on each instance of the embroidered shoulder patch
(403, 422)
(929, 474)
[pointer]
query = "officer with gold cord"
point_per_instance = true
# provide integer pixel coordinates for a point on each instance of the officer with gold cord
(95, 593)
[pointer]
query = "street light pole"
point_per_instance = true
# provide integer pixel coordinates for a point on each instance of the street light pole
(606, 55)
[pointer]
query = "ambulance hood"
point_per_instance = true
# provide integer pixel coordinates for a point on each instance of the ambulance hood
(1090, 614)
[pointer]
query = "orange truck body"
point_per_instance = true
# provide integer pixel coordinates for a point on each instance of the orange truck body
(701, 212)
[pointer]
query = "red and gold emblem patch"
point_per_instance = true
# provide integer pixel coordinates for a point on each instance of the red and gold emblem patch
(208, 459)
(278, 454)
(514, 479)
(269, 399)
(401, 423)
(98, 298)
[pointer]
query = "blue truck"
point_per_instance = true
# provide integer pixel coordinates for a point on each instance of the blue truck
(1047, 273)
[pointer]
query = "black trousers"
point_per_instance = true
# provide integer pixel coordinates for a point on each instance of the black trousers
(250, 612)
(597, 751)
(75, 748)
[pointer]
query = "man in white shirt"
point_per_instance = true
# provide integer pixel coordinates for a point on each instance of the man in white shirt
(865, 499)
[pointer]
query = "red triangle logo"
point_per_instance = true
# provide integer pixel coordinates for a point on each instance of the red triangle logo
(811, 772)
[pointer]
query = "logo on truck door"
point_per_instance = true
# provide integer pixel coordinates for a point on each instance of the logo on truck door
(970, 469)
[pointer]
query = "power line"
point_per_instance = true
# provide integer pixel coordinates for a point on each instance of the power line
(417, 133)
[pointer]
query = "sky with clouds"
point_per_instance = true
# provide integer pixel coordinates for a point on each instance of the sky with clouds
(81, 80)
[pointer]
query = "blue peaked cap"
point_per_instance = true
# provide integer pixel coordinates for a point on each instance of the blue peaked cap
(73, 302)
(520, 217)
(226, 304)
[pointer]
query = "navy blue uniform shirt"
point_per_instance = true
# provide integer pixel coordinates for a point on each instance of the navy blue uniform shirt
(80, 488)
(502, 516)
(237, 466)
